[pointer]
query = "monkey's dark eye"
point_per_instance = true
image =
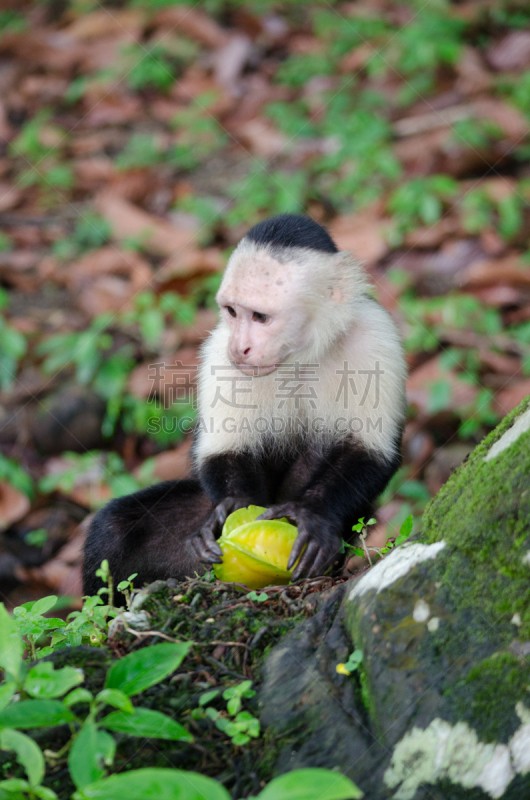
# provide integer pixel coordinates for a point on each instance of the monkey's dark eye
(257, 317)
(231, 311)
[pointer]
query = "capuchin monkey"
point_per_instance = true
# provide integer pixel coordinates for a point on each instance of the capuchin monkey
(301, 405)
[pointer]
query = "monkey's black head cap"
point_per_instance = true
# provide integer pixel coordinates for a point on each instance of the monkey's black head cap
(292, 230)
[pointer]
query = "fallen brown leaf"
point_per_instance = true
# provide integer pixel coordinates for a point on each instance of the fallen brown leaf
(13, 505)
(178, 375)
(192, 22)
(107, 279)
(173, 465)
(362, 233)
(229, 61)
(423, 378)
(507, 399)
(508, 271)
(127, 220)
(511, 53)
(262, 138)
(104, 22)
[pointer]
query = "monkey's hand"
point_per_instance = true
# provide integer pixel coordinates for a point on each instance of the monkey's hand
(315, 533)
(203, 543)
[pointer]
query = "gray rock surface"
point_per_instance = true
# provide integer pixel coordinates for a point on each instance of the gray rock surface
(440, 707)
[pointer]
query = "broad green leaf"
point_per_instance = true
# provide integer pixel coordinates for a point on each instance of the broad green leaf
(77, 696)
(113, 697)
(12, 789)
(138, 671)
(155, 784)
(43, 680)
(35, 714)
(7, 690)
(44, 604)
(44, 793)
(145, 722)
(91, 751)
(311, 784)
(28, 753)
(11, 646)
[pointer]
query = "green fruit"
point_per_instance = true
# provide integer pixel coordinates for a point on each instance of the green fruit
(255, 552)
(240, 517)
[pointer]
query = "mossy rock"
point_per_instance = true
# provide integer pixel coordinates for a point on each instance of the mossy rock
(440, 707)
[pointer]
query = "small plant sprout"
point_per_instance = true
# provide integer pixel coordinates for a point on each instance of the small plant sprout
(360, 528)
(235, 694)
(363, 552)
(127, 587)
(243, 726)
(353, 663)
(104, 573)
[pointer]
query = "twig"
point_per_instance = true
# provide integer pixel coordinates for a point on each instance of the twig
(141, 634)
(219, 664)
(421, 123)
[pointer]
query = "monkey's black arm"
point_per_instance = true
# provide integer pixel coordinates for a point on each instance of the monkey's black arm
(236, 475)
(342, 490)
(231, 481)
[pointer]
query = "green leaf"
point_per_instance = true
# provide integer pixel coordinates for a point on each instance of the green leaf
(12, 788)
(116, 698)
(354, 660)
(44, 793)
(154, 783)
(311, 784)
(7, 690)
(78, 696)
(44, 604)
(35, 714)
(439, 398)
(205, 698)
(240, 739)
(138, 671)
(405, 530)
(28, 753)
(43, 680)
(11, 646)
(145, 722)
(91, 751)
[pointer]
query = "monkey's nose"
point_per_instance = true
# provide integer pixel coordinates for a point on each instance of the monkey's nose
(239, 355)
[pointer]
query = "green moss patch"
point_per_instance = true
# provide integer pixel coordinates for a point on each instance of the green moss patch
(487, 696)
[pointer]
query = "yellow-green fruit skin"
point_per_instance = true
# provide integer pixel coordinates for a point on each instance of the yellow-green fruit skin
(256, 553)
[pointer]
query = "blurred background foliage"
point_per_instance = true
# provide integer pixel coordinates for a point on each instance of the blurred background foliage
(139, 139)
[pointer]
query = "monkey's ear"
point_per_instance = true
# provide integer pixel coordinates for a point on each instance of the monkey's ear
(348, 278)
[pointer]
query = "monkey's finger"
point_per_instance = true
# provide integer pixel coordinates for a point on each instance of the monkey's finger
(305, 567)
(205, 547)
(321, 563)
(222, 511)
(205, 555)
(298, 546)
(270, 513)
(210, 545)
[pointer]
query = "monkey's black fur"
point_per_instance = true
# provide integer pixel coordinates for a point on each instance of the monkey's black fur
(292, 230)
(157, 532)
(146, 532)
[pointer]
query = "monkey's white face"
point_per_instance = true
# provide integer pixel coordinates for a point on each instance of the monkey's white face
(265, 321)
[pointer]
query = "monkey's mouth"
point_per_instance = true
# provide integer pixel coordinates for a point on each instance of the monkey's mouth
(256, 372)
